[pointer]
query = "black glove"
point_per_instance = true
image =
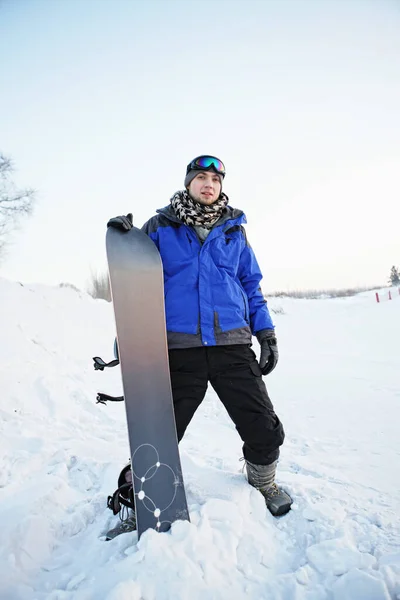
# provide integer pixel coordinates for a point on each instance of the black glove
(124, 223)
(269, 350)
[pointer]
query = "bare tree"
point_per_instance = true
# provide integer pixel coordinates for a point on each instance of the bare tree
(14, 203)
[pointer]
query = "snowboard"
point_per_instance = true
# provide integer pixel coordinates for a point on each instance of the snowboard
(137, 290)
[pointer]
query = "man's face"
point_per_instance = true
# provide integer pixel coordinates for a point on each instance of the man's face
(205, 187)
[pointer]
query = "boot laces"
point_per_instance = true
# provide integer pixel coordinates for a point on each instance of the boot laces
(271, 492)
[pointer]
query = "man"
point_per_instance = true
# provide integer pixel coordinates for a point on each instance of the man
(214, 304)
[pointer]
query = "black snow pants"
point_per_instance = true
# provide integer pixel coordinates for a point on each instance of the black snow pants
(235, 375)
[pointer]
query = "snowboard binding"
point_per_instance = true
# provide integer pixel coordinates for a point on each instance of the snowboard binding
(123, 495)
(122, 503)
(100, 365)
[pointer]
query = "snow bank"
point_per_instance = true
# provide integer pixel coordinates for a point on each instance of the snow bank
(337, 391)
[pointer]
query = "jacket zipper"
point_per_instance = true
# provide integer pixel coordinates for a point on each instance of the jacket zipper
(246, 316)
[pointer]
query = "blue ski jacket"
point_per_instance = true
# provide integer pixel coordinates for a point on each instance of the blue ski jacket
(212, 289)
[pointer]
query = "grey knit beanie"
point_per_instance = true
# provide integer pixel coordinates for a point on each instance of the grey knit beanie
(192, 174)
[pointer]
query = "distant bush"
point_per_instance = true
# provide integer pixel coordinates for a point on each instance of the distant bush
(99, 286)
(317, 294)
(69, 285)
(277, 310)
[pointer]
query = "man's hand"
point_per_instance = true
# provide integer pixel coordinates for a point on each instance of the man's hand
(123, 223)
(269, 350)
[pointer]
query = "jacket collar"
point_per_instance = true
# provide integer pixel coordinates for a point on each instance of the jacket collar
(233, 216)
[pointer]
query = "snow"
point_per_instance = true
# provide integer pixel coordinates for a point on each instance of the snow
(337, 392)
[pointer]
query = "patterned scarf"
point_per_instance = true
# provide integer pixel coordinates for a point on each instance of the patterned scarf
(193, 213)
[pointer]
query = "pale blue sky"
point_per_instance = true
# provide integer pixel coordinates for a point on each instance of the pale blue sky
(103, 103)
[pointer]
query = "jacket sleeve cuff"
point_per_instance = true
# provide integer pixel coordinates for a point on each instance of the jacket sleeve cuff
(264, 333)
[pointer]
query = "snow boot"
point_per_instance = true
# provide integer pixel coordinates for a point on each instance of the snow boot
(125, 526)
(262, 477)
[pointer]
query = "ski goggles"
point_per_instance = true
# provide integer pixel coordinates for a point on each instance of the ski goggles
(205, 163)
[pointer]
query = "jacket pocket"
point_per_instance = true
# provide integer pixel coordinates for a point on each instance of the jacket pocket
(181, 308)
